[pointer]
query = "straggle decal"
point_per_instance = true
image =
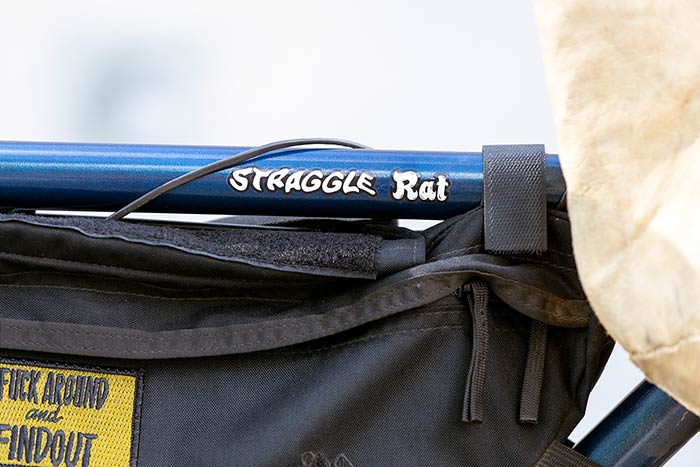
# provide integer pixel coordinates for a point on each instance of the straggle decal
(304, 181)
(64, 415)
(406, 185)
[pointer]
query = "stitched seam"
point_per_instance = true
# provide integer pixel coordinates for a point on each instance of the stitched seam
(134, 294)
(194, 330)
(476, 247)
(84, 274)
(232, 332)
(547, 263)
(461, 250)
(199, 349)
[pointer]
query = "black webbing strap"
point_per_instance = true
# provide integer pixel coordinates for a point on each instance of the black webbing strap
(473, 407)
(515, 199)
(558, 455)
(534, 373)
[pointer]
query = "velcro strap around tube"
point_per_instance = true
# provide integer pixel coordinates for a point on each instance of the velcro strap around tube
(515, 199)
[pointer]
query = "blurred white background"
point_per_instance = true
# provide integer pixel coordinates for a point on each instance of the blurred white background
(442, 74)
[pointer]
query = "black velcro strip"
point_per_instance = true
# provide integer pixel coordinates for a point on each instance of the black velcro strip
(515, 199)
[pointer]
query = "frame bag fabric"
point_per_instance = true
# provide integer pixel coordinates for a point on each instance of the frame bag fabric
(327, 343)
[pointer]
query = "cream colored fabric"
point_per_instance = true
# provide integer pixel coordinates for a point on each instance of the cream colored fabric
(624, 80)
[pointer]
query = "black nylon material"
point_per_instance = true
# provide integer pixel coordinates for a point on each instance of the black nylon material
(256, 365)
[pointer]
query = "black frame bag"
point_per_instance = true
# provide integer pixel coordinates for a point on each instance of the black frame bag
(308, 343)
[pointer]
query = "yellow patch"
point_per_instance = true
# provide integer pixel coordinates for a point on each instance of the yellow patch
(66, 415)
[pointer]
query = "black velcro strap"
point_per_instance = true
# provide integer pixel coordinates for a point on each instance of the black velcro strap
(515, 199)
(558, 455)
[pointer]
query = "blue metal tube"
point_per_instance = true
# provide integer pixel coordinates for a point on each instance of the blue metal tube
(105, 177)
(646, 429)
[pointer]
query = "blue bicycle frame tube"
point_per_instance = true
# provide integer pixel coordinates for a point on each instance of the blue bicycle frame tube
(298, 182)
(646, 429)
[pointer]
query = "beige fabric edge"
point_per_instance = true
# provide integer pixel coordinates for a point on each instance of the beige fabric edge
(624, 82)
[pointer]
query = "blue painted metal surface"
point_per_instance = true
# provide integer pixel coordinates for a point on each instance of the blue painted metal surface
(105, 177)
(645, 430)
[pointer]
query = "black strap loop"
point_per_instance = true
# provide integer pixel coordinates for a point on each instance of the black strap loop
(515, 199)
(473, 408)
(534, 373)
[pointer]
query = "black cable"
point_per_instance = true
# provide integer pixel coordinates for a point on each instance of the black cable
(227, 163)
